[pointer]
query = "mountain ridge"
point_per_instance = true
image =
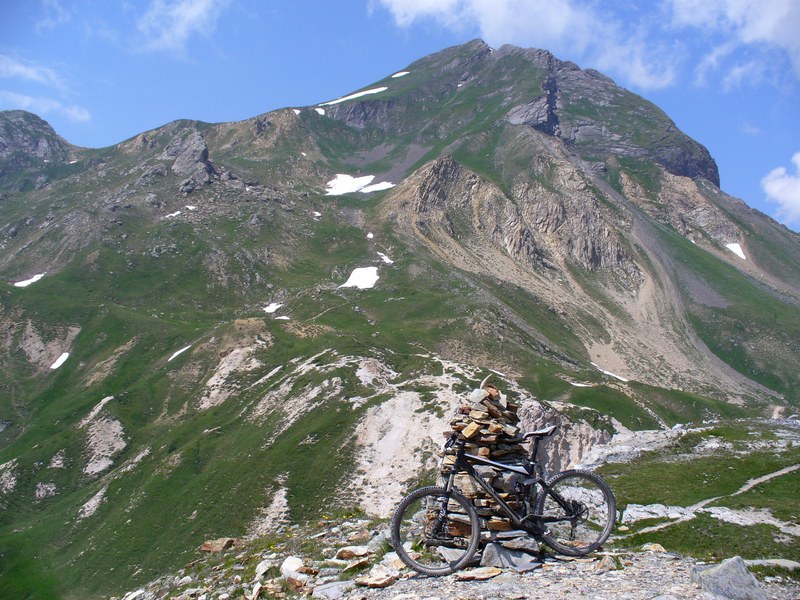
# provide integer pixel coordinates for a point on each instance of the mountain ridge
(194, 275)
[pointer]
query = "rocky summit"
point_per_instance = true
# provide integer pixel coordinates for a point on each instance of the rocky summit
(225, 330)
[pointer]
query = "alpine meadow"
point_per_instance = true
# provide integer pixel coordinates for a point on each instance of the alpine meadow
(234, 329)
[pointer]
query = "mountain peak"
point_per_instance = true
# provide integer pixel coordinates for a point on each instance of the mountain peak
(28, 140)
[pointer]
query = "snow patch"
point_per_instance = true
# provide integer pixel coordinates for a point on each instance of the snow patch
(576, 384)
(179, 352)
(346, 184)
(27, 282)
(370, 235)
(400, 74)
(376, 187)
(362, 278)
(60, 361)
(320, 111)
(737, 250)
(283, 318)
(191, 207)
(385, 258)
(272, 307)
(356, 95)
(296, 111)
(170, 215)
(610, 374)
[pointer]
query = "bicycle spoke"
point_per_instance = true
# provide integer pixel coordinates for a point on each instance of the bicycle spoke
(579, 512)
(434, 535)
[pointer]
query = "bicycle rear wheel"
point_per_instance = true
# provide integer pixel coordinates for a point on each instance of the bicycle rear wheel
(578, 512)
(435, 532)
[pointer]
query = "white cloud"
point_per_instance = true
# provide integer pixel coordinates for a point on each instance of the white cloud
(167, 25)
(43, 106)
(54, 16)
(579, 29)
(783, 188)
(14, 68)
(765, 25)
(643, 46)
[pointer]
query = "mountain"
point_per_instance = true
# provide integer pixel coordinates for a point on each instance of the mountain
(181, 357)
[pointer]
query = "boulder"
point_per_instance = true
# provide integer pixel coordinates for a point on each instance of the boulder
(495, 555)
(729, 579)
(292, 571)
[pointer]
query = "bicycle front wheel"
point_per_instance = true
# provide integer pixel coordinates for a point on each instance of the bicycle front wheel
(578, 512)
(435, 532)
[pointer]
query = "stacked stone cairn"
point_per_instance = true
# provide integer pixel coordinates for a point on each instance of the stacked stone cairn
(489, 424)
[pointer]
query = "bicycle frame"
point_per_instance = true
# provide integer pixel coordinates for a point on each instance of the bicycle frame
(533, 472)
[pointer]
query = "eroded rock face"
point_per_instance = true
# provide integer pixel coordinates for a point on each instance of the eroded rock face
(538, 227)
(572, 441)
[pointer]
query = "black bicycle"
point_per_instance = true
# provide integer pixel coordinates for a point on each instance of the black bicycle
(437, 530)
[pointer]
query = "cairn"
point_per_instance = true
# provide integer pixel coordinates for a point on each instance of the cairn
(489, 424)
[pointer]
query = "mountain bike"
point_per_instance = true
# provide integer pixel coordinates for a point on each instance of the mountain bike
(436, 530)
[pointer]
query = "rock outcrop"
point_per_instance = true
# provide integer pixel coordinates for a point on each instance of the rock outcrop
(26, 139)
(190, 155)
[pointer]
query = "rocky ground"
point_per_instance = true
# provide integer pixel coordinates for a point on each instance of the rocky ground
(351, 560)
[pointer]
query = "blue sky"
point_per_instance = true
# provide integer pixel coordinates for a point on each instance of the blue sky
(726, 71)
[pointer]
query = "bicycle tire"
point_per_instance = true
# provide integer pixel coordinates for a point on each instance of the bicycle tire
(431, 545)
(588, 495)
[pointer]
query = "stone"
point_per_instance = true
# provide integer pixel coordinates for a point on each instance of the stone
(333, 590)
(653, 548)
(495, 555)
(499, 524)
(729, 579)
(356, 564)
(524, 543)
(471, 430)
(378, 540)
(256, 591)
(291, 564)
(219, 544)
(377, 578)
(391, 560)
(607, 563)
(263, 567)
(349, 552)
(291, 571)
(479, 574)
